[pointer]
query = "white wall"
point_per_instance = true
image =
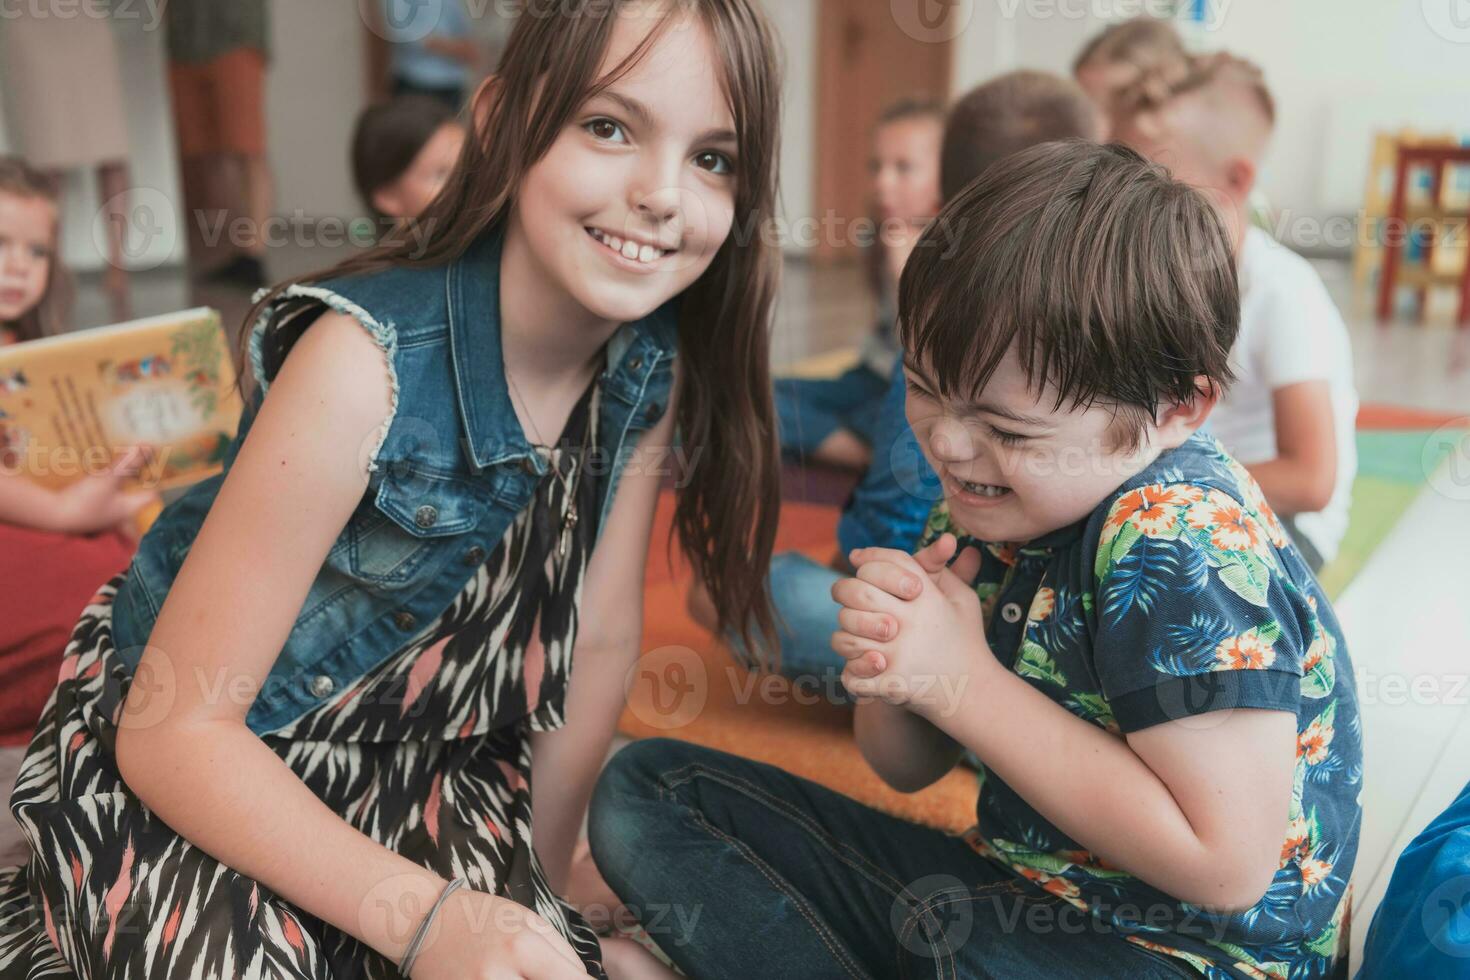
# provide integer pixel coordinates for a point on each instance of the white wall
(796, 22)
(1338, 69)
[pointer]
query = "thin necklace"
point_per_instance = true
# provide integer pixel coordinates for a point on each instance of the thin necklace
(569, 481)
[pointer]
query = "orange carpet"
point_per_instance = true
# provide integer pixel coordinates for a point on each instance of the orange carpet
(689, 686)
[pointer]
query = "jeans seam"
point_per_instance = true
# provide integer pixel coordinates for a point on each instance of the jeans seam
(834, 847)
(932, 901)
(818, 926)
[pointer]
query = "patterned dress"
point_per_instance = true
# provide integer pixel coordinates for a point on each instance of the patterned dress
(429, 754)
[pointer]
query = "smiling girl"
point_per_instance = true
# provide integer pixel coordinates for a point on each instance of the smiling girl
(298, 737)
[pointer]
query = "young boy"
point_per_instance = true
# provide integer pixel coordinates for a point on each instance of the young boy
(889, 506)
(1290, 416)
(402, 153)
(832, 420)
(1154, 684)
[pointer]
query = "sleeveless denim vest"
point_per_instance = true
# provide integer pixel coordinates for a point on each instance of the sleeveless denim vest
(450, 471)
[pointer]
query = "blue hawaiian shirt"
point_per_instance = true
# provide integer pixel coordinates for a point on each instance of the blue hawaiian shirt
(1181, 594)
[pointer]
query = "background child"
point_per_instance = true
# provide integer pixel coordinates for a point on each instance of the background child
(402, 153)
(1291, 413)
(416, 543)
(832, 421)
(58, 546)
(889, 507)
(1133, 58)
(1153, 682)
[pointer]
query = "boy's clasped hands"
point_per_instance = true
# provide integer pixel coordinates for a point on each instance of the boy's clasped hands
(911, 625)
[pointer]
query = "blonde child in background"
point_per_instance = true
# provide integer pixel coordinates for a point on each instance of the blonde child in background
(833, 420)
(403, 151)
(56, 547)
(1290, 416)
(1140, 55)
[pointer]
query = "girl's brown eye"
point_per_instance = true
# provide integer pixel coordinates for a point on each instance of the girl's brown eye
(605, 129)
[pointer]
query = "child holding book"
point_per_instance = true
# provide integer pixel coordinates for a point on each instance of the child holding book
(57, 546)
(1105, 612)
(298, 737)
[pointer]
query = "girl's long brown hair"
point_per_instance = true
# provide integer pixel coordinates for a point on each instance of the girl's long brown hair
(48, 317)
(726, 514)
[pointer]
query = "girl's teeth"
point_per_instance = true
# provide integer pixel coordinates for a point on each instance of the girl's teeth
(647, 253)
(630, 250)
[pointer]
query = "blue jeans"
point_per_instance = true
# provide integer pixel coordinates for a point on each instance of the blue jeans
(890, 506)
(811, 409)
(740, 870)
(806, 618)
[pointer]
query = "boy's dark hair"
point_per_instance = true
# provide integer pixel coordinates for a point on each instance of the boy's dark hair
(387, 138)
(1114, 282)
(1007, 114)
(911, 108)
(1145, 42)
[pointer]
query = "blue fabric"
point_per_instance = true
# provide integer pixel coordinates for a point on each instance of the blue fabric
(811, 409)
(406, 23)
(1422, 927)
(1180, 595)
(891, 503)
(452, 471)
(739, 870)
(806, 618)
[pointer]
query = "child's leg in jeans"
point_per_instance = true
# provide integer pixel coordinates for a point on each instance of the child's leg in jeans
(739, 870)
(828, 420)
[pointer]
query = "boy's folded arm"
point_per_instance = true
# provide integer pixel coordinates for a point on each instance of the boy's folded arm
(905, 750)
(1195, 807)
(1303, 476)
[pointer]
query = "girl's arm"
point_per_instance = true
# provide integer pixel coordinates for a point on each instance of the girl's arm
(566, 763)
(183, 745)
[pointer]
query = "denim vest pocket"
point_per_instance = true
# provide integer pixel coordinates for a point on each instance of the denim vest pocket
(394, 533)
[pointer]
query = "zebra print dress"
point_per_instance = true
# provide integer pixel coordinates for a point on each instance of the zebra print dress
(429, 754)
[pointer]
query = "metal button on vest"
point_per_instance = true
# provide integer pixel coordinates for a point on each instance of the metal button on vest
(1011, 612)
(635, 364)
(474, 556)
(322, 685)
(426, 516)
(405, 620)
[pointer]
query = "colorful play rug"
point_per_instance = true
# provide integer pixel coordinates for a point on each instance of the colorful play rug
(689, 686)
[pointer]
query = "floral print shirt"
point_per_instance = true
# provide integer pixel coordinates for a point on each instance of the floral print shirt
(1181, 594)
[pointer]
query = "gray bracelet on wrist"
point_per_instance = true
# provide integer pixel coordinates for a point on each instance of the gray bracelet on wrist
(412, 953)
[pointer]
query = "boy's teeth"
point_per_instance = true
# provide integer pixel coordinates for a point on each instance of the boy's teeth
(983, 489)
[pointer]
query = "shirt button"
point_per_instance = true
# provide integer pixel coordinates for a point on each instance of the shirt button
(322, 685)
(474, 556)
(635, 364)
(405, 620)
(653, 411)
(426, 516)
(1011, 612)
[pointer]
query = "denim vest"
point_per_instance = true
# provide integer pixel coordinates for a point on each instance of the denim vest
(450, 471)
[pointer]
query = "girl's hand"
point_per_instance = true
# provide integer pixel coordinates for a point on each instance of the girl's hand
(911, 626)
(98, 502)
(478, 936)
